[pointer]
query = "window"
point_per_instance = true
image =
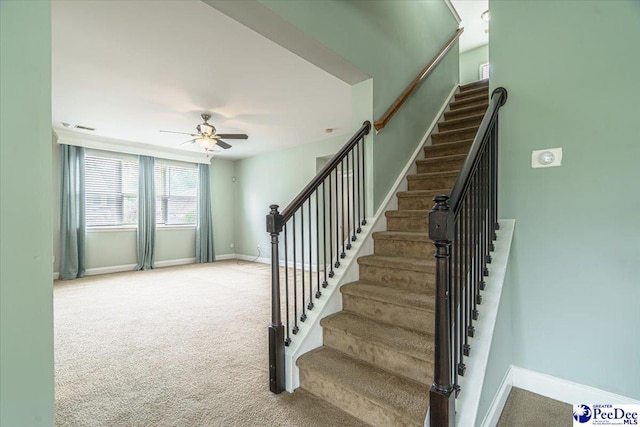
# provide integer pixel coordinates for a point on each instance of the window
(111, 189)
(484, 71)
(176, 192)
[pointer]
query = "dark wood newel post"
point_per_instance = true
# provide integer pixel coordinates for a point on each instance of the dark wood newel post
(442, 395)
(276, 329)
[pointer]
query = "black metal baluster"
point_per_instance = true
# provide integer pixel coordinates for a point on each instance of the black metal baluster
(324, 234)
(287, 340)
(364, 186)
(331, 229)
(353, 195)
(310, 305)
(347, 201)
(303, 317)
(477, 298)
(318, 293)
(341, 237)
(337, 264)
(357, 175)
(497, 144)
(295, 278)
(467, 332)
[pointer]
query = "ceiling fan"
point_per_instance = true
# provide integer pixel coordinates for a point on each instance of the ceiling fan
(207, 138)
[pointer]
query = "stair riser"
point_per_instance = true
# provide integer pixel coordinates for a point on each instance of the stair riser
(419, 281)
(460, 113)
(406, 317)
(471, 102)
(350, 402)
(380, 356)
(438, 138)
(417, 223)
(442, 166)
(403, 248)
(417, 203)
(439, 150)
(432, 183)
(459, 125)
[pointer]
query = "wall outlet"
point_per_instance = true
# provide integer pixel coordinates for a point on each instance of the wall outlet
(231, 245)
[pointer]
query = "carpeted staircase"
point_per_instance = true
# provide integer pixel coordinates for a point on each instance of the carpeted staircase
(376, 361)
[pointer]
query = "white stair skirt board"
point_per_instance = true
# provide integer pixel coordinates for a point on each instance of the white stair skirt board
(551, 387)
(310, 334)
(471, 384)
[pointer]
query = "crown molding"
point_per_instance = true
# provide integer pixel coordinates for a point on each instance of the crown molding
(453, 10)
(128, 147)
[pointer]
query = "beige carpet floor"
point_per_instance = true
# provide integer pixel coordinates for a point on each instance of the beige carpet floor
(178, 346)
(526, 409)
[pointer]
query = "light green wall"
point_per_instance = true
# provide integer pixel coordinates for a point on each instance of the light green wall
(576, 249)
(390, 41)
(273, 178)
(221, 174)
(26, 290)
(470, 63)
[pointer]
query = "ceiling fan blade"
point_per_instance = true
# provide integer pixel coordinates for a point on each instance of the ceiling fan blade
(181, 133)
(232, 136)
(222, 144)
(191, 141)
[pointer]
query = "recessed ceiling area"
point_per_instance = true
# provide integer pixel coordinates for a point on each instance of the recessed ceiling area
(130, 69)
(474, 27)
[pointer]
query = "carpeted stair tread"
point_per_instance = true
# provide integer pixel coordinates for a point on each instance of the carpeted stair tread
(472, 92)
(430, 175)
(444, 148)
(390, 295)
(440, 159)
(472, 85)
(414, 343)
(461, 112)
(404, 398)
(401, 235)
(460, 122)
(454, 135)
(406, 213)
(482, 99)
(423, 193)
(400, 263)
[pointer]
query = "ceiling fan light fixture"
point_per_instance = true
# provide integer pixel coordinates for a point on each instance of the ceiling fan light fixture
(206, 129)
(207, 144)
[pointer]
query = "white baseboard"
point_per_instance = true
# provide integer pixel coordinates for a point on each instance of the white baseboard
(564, 390)
(263, 260)
(225, 257)
(551, 387)
(172, 262)
(130, 267)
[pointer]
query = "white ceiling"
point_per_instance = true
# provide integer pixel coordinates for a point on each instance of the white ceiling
(474, 27)
(132, 68)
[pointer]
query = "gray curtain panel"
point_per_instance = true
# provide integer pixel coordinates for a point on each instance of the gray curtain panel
(204, 227)
(72, 216)
(146, 213)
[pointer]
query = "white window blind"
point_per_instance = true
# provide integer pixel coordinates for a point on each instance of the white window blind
(484, 71)
(111, 189)
(176, 192)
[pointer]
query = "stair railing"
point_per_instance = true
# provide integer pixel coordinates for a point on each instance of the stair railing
(424, 73)
(318, 226)
(463, 228)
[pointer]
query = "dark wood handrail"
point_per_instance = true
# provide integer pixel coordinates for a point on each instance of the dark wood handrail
(498, 99)
(382, 122)
(324, 172)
